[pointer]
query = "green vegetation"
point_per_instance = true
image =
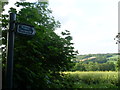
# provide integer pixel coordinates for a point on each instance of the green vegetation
(96, 62)
(94, 71)
(92, 79)
(38, 59)
(109, 66)
(100, 58)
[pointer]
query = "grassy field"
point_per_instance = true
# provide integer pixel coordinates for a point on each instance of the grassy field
(98, 79)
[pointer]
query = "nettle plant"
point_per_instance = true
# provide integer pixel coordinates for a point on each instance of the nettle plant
(117, 38)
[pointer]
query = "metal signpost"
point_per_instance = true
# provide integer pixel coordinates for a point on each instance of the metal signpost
(10, 49)
(22, 29)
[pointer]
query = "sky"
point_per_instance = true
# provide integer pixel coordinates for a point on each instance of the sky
(93, 23)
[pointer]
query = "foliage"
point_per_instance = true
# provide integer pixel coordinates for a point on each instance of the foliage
(96, 62)
(100, 58)
(117, 38)
(92, 79)
(38, 59)
(109, 66)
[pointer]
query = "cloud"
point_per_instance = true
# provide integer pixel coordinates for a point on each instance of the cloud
(93, 28)
(93, 23)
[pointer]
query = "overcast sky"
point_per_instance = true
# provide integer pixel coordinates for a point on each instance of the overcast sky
(93, 23)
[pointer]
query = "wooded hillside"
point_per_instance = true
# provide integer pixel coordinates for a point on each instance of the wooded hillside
(96, 62)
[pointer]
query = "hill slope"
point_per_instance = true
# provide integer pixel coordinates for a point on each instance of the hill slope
(100, 58)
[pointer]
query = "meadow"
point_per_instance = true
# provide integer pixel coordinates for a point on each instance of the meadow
(92, 79)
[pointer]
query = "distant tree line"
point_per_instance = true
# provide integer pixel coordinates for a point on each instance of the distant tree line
(90, 66)
(96, 62)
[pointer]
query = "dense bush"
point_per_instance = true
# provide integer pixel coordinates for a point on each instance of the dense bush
(38, 59)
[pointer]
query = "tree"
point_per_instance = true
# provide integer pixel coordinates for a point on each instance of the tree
(118, 42)
(38, 59)
(79, 67)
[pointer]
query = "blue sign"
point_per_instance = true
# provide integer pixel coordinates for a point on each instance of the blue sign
(25, 29)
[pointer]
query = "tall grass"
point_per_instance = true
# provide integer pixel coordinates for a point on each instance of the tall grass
(93, 79)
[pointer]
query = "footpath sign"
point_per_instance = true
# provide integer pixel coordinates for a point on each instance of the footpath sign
(25, 29)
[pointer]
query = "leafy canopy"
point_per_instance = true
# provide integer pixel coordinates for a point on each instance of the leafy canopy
(37, 59)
